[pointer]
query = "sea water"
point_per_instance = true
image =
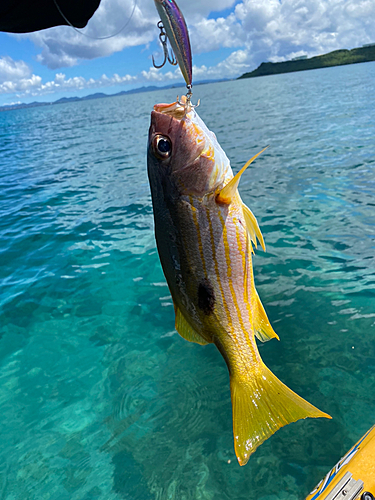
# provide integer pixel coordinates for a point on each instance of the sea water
(99, 396)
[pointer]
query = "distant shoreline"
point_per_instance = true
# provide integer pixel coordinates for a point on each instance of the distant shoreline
(335, 58)
(101, 95)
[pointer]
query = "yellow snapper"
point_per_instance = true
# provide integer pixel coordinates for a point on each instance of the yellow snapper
(204, 234)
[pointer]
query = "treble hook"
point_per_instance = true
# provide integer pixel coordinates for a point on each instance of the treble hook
(163, 39)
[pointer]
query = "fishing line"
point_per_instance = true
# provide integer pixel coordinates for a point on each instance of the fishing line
(95, 37)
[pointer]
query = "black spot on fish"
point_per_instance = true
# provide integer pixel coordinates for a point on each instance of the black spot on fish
(206, 297)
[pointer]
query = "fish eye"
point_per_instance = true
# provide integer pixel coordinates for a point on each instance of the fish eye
(162, 146)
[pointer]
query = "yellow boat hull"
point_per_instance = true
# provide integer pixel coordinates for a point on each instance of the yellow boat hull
(352, 476)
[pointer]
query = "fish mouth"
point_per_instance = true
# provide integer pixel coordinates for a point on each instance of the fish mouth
(178, 109)
(172, 122)
(183, 111)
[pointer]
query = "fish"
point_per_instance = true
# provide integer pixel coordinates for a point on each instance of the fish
(174, 24)
(205, 236)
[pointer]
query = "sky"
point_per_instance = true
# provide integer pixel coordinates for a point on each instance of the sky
(228, 38)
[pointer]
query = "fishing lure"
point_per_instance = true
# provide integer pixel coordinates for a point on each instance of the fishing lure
(173, 27)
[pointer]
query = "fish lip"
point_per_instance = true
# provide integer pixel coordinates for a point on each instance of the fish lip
(155, 113)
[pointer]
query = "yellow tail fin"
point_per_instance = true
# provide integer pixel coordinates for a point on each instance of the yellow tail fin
(261, 405)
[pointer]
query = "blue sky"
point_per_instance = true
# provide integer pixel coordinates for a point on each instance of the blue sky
(228, 38)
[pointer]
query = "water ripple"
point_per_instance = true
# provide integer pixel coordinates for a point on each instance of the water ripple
(100, 398)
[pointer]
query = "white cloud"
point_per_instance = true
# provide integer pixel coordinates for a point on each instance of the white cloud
(234, 65)
(63, 46)
(268, 30)
(16, 76)
(155, 75)
(212, 34)
(13, 70)
(279, 29)
(24, 84)
(34, 86)
(275, 30)
(27, 85)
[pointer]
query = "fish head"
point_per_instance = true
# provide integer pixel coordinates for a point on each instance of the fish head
(182, 153)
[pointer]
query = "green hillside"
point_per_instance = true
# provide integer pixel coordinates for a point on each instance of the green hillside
(335, 58)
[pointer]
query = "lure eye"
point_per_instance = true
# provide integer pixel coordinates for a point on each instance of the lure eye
(162, 147)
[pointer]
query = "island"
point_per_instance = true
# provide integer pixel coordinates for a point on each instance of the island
(335, 58)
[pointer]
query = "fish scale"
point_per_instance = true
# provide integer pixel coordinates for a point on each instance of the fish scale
(204, 234)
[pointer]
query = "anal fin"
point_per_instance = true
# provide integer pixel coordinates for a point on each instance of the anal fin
(186, 330)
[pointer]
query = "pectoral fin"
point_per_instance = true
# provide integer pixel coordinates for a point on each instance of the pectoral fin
(228, 192)
(186, 330)
(262, 327)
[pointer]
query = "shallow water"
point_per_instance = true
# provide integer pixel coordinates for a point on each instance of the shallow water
(99, 397)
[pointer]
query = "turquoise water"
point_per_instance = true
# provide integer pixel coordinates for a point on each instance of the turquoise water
(99, 397)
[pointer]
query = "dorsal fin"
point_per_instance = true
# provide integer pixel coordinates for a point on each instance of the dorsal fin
(262, 327)
(253, 227)
(228, 192)
(186, 330)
